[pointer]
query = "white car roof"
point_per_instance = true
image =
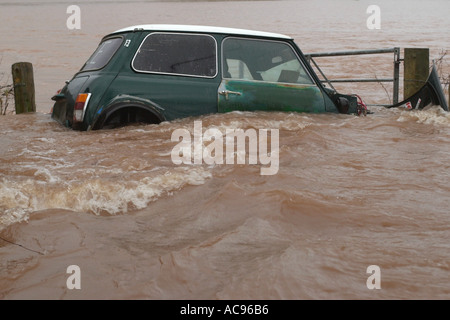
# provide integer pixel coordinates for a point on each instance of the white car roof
(203, 29)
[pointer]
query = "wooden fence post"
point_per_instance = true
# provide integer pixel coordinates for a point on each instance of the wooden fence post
(23, 81)
(416, 70)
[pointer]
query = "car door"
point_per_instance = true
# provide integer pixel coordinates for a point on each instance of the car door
(265, 75)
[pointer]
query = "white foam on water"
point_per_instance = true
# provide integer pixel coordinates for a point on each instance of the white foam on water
(430, 115)
(12, 216)
(97, 195)
(47, 140)
(281, 121)
(46, 175)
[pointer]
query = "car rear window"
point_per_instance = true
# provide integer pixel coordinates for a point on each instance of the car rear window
(181, 54)
(103, 54)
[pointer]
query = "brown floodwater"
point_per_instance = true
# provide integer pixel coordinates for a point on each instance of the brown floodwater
(350, 192)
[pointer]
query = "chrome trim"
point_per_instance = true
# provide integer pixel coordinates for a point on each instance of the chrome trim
(85, 105)
(227, 92)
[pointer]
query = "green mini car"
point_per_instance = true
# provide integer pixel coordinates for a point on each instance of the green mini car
(155, 73)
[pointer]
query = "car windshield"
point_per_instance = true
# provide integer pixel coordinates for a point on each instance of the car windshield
(103, 54)
(262, 60)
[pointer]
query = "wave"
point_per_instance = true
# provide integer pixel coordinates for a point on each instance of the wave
(100, 196)
(434, 115)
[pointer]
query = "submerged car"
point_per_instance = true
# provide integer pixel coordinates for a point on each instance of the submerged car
(155, 73)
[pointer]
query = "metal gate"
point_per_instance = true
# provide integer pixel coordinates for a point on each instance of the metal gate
(396, 74)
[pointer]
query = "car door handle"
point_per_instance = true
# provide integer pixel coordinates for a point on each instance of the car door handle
(226, 93)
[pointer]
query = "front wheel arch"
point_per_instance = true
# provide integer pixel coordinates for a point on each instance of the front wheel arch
(124, 114)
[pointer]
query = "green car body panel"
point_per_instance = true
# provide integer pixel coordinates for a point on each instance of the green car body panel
(118, 92)
(268, 96)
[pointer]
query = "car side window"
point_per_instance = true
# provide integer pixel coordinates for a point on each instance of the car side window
(102, 54)
(180, 54)
(262, 60)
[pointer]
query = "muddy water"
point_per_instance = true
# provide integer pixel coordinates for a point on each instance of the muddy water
(350, 192)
